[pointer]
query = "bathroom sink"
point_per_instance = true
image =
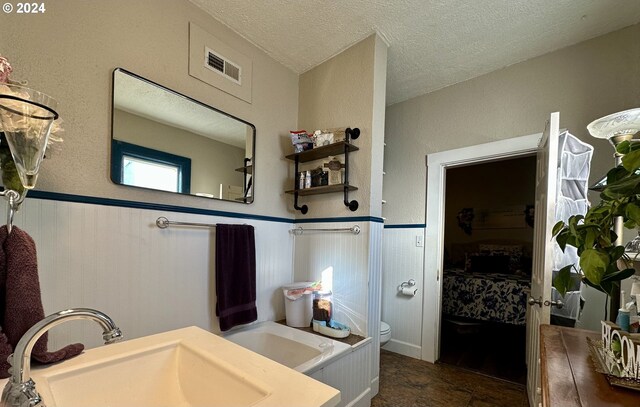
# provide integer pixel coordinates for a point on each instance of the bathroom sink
(185, 367)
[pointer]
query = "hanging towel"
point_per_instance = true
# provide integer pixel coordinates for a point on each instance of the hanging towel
(235, 275)
(20, 300)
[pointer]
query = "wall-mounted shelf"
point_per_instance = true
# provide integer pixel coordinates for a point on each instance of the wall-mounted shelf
(248, 169)
(342, 147)
(325, 189)
(324, 151)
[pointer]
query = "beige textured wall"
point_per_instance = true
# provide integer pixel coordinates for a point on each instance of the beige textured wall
(345, 91)
(208, 170)
(583, 82)
(70, 52)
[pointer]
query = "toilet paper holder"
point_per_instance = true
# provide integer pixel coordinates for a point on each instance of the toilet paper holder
(407, 284)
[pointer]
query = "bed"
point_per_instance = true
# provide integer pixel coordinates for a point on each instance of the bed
(493, 285)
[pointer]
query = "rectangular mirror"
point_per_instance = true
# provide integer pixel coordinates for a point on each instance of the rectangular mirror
(167, 141)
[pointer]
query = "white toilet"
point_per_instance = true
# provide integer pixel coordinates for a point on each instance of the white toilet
(385, 333)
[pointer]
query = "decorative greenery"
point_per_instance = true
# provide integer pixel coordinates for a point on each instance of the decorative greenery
(10, 177)
(593, 235)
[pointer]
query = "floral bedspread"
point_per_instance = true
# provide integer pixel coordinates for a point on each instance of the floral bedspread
(488, 297)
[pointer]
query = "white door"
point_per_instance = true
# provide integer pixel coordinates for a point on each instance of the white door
(545, 206)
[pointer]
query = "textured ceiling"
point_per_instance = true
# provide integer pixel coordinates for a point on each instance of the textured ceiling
(433, 43)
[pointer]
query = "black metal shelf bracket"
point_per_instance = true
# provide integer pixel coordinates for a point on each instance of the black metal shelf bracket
(349, 134)
(304, 208)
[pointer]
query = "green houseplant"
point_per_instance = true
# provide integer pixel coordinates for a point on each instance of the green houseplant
(592, 234)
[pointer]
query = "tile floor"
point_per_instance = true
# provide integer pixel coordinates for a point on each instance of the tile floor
(408, 382)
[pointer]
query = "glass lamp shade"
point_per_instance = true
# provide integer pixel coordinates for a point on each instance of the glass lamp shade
(26, 116)
(625, 123)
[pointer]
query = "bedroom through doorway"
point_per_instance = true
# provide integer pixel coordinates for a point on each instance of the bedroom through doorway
(488, 244)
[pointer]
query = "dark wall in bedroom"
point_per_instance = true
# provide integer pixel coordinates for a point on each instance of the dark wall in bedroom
(498, 192)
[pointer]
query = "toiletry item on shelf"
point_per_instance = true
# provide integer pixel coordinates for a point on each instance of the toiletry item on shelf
(335, 171)
(301, 180)
(301, 140)
(307, 179)
(322, 306)
(634, 318)
(322, 138)
(319, 177)
(623, 319)
(333, 329)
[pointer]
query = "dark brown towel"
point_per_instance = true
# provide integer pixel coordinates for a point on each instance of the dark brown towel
(20, 300)
(235, 275)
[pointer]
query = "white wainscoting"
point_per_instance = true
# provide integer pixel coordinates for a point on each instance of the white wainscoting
(357, 265)
(401, 261)
(147, 279)
(348, 375)
(375, 287)
(348, 254)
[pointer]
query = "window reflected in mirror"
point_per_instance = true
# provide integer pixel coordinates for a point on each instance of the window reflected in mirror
(166, 141)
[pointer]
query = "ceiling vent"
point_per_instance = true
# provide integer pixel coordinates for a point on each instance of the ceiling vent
(220, 64)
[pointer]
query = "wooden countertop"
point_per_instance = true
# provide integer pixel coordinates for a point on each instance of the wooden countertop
(568, 376)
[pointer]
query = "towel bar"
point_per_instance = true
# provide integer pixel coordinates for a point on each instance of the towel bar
(164, 223)
(355, 229)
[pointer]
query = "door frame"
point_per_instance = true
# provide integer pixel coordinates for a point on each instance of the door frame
(437, 165)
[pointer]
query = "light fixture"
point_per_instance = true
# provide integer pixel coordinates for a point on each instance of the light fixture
(616, 128)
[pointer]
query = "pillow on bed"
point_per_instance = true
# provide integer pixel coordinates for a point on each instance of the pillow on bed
(514, 252)
(487, 263)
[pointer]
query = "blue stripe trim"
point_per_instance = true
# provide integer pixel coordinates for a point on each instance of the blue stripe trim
(407, 226)
(56, 196)
(345, 219)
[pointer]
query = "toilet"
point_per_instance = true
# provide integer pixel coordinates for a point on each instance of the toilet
(385, 333)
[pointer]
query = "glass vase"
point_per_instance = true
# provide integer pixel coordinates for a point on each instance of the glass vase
(26, 116)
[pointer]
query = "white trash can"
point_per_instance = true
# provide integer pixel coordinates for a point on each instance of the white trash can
(298, 306)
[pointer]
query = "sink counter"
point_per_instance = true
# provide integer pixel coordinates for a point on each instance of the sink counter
(184, 367)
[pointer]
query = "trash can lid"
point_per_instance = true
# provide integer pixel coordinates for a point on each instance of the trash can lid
(298, 285)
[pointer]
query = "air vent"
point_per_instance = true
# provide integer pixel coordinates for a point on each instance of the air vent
(218, 63)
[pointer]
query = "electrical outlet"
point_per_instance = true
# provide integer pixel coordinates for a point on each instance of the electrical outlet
(419, 241)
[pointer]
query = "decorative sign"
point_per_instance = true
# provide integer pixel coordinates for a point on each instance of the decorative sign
(621, 351)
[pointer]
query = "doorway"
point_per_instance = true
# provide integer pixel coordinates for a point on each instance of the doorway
(434, 238)
(488, 245)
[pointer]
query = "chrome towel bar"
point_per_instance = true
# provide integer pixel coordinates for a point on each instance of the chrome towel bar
(164, 223)
(355, 229)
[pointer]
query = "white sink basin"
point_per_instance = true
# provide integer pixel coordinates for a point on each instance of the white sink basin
(185, 367)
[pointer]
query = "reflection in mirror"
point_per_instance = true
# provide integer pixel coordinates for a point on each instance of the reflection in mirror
(164, 140)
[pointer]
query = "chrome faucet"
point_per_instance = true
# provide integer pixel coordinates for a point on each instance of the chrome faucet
(21, 389)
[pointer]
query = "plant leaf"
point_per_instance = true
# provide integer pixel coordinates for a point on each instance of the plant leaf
(562, 281)
(561, 239)
(615, 174)
(590, 284)
(615, 253)
(593, 264)
(618, 275)
(557, 228)
(624, 147)
(622, 188)
(609, 286)
(633, 212)
(631, 161)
